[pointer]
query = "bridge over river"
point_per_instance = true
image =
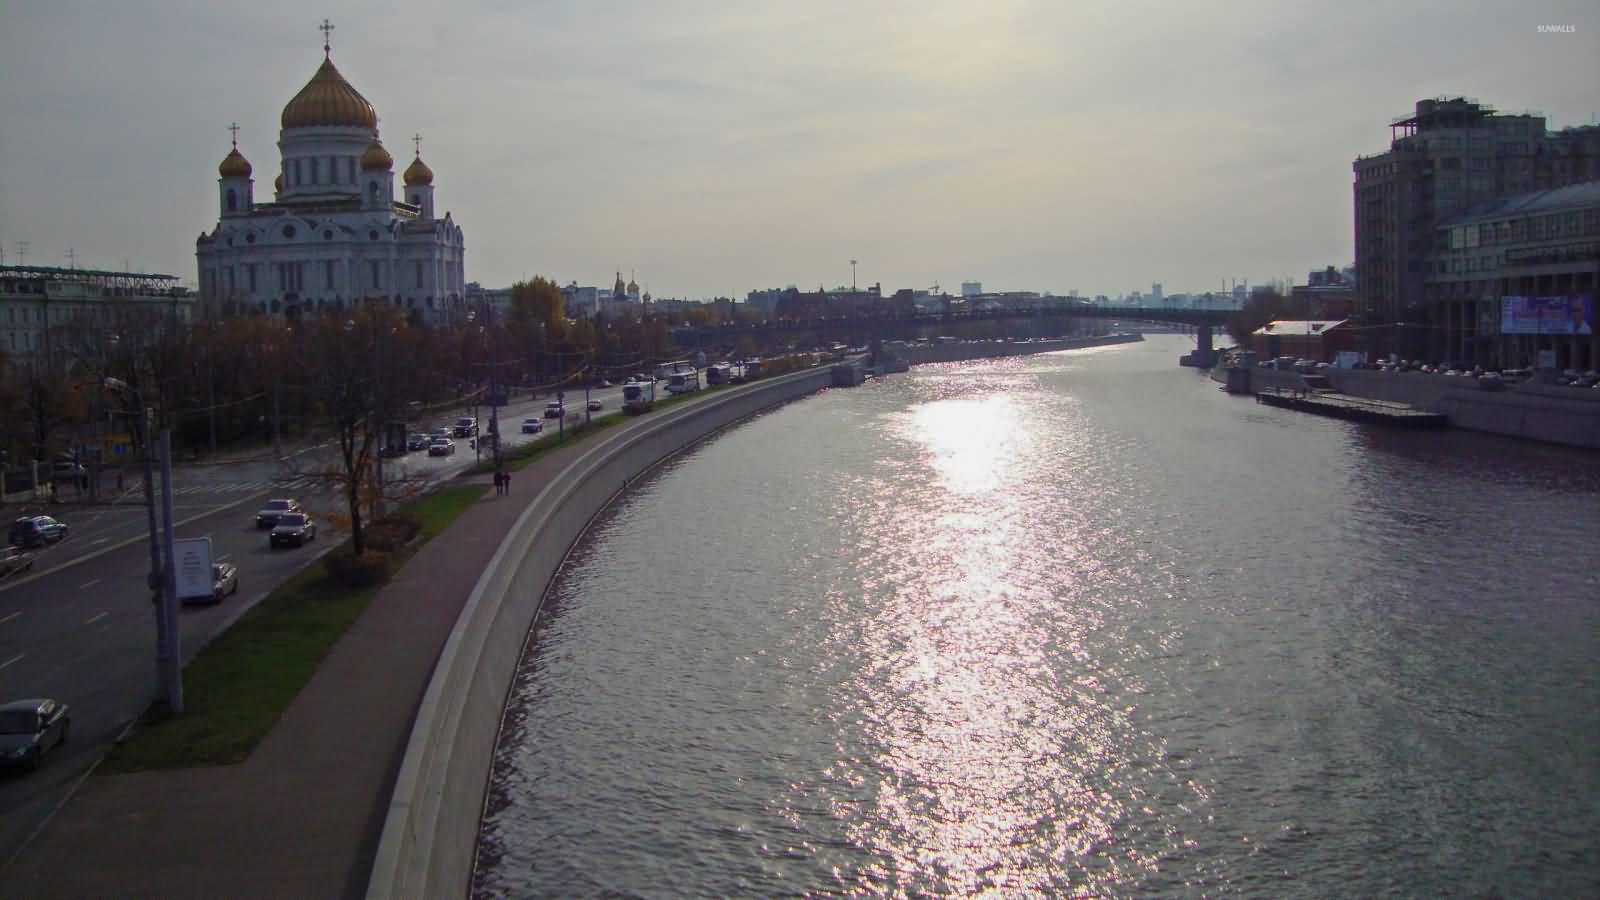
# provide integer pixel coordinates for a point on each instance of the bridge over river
(865, 328)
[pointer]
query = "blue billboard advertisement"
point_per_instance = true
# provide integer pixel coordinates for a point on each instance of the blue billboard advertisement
(1568, 314)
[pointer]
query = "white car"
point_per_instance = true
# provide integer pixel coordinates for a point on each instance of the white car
(532, 425)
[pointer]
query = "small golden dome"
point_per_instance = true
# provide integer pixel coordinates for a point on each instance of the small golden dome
(329, 100)
(277, 183)
(633, 286)
(234, 165)
(418, 173)
(377, 158)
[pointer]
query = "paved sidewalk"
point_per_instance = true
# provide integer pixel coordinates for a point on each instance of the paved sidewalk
(302, 816)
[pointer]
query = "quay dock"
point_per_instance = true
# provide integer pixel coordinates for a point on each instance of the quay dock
(1355, 409)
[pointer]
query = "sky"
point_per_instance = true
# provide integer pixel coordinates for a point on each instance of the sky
(715, 148)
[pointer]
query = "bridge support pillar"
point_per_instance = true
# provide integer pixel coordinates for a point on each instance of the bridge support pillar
(1204, 355)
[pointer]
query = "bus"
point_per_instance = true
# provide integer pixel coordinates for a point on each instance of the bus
(666, 369)
(638, 398)
(683, 382)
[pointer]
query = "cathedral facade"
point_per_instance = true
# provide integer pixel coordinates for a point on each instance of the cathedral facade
(333, 236)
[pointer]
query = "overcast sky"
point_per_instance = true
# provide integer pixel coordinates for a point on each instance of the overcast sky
(718, 147)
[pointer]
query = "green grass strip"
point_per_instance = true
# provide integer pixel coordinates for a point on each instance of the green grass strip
(236, 688)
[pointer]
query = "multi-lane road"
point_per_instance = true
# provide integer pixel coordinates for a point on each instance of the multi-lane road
(80, 627)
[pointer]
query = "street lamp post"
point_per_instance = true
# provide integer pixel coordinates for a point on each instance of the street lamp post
(169, 674)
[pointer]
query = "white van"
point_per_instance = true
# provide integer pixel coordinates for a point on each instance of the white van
(683, 382)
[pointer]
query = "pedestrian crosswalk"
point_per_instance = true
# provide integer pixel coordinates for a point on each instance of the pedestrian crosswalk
(287, 485)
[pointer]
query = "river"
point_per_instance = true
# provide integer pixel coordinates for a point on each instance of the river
(1071, 624)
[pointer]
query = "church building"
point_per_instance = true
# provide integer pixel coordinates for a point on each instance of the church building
(333, 234)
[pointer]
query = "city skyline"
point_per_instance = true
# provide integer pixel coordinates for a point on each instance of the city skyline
(712, 152)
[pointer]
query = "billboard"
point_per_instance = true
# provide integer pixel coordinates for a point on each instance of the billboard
(1568, 314)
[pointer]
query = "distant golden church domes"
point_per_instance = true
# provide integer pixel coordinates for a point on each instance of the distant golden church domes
(377, 158)
(418, 173)
(329, 100)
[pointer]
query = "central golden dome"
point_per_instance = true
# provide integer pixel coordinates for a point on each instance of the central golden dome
(234, 165)
(329, 100)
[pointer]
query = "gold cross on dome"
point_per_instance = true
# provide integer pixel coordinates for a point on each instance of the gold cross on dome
(327, 33)
(417, 140)
(235, 129)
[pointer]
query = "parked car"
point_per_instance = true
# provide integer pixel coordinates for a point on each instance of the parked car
(269, 515)
(36, 531)
(292, 530)
(552, 410)
(15, 559)
(441, 446)
(531, 425)
(466, 426)
(416, 442)
(595, 406)
(31, 728)
(224, 580)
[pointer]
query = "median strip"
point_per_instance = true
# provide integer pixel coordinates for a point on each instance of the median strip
(236, 688)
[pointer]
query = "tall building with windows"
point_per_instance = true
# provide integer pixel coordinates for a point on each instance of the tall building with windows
(333, 234)
(1448, 155)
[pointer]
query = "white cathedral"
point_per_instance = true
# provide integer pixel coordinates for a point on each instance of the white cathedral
(333, 235)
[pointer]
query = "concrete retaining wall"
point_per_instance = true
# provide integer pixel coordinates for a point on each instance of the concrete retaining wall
(429, 840)
(1553, 413)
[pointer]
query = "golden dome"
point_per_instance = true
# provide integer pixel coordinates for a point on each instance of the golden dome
(633, 286)
(277, 183)
(376, 157)
(329, 100)
(234, 165)
(418, 173)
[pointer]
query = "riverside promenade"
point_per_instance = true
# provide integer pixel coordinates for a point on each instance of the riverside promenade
(301, 817)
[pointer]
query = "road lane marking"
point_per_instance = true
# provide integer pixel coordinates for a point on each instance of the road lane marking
(98, 541)
(10, 617)
(88, 584)
(93, 619)
(12, 660)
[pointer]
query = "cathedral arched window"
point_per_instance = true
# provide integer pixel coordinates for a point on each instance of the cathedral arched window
(416, 199)
(316, 170)
(233, 200)
(373, 193)
(297, 179)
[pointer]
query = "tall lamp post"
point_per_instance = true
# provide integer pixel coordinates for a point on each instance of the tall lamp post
(162, 577)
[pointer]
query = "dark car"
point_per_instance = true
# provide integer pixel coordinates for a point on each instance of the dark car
(36, 531)
(224, 580)
(417, 442)
(292, 530)
(441, 446)
(532, 426)
(466, 426)
(31, 728)
(390, 451)
(274, 510)
(15, 559)
(552, 410)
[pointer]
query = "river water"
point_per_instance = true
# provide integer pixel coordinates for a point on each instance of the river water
(1072, 624)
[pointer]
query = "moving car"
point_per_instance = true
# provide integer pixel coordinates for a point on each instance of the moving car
(15, 559)
(269, 515)
(224, 580)
(466, 426)
(441, 446)
(36, 531)
(31, 728)
(595, 406)
(552, 410)
(531, 425)
(417, 442)
(292, 530)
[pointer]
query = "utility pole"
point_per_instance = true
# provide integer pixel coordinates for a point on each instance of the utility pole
(852, 276)
(494, 389)
(168, 655)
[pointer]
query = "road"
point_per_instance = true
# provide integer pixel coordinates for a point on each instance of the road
(80, 626)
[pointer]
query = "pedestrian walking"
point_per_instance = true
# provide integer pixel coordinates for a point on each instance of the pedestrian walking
(505, 481)
(499, 481)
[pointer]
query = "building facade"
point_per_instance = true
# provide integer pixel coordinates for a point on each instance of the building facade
(1450, 154)
(45, 312)
(333, 235)
(1497, 264)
